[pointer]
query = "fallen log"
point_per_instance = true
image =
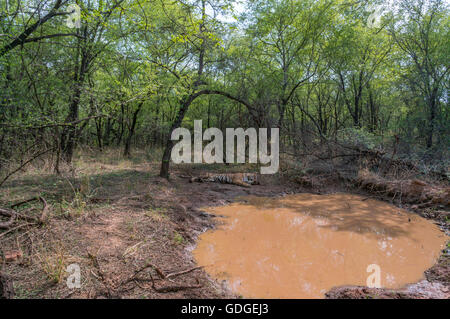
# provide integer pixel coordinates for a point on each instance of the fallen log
(384, 160)
(410, 191)
(12, 218)
(14, 215)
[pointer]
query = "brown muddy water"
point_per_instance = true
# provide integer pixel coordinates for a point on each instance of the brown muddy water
(301, 246)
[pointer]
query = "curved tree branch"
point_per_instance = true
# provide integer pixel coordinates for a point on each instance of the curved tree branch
(22, 38)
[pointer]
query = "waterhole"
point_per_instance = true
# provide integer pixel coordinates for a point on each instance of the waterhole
(301, 246)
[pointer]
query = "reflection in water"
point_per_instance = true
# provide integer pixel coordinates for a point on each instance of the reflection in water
(301, 246)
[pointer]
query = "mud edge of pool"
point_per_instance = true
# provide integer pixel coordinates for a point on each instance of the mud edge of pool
(436, 285)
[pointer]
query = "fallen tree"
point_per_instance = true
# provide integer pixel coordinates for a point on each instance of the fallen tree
(359, 155)
(14, 215)
(416, 192)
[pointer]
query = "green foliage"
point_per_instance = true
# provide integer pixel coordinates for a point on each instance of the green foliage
(359, 137)
(310, 67)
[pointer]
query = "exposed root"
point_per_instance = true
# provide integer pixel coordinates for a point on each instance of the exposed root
(175, 274)
(15, 228)
(163, 277)
(110, 289)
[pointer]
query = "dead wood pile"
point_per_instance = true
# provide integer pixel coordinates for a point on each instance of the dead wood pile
(13, 215)
(408, 191)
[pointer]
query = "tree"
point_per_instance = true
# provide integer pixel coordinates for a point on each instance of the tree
(29, 29)
(421, 30)
(288, 34)
(201, 37)
(88, 48)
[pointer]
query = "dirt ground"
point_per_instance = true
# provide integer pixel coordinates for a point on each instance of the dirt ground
(132, 233)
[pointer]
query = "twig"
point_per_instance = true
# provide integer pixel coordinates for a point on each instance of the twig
(52, 124)
(148, 265)
(167, 289)
(25, 164)
(162, 276)
(10, 213)
(175, 274)
(102, 277)
(44, 214)
(15, 228)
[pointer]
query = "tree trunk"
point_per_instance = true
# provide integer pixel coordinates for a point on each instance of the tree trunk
(169, 144)
(68, 136)
(121, 124)
(98, 125)
(69, 133)
(126, 152)
(164, 172)
(432, 109)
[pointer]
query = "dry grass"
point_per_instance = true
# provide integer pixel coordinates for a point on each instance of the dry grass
(112, 207)
(53, 263)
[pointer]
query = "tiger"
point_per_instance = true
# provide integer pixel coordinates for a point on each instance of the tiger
(239, 179)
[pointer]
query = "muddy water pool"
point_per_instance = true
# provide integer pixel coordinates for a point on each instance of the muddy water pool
(301, 246)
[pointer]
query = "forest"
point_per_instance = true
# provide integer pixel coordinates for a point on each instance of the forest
(92, 90)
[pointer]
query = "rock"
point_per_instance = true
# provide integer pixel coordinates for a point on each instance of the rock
(12, 256)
